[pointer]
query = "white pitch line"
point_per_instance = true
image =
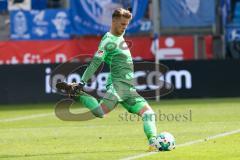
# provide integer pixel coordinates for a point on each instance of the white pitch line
(186, 144)
(25, 117)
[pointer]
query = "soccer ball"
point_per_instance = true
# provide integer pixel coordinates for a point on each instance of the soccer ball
(165, 142)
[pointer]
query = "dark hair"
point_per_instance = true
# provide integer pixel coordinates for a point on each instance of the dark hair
(120, 12)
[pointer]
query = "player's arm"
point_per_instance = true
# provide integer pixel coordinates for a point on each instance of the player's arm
(95, 63)
(91, 69)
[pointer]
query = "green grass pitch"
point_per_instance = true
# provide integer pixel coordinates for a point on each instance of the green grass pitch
(33, 132)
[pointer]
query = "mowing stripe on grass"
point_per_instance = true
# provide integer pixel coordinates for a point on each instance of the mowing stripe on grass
(25, 117)
(185, 144)
(31, 116)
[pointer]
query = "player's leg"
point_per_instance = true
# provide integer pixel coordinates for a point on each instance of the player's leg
(142, 108)
(74, 91)
(91, 103)
(149, 125)
(106, 105)
(138, 105)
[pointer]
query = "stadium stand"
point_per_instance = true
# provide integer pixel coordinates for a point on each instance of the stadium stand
(145, 23)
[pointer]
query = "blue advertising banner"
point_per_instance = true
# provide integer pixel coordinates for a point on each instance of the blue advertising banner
(3, 5)
(46, 24)
(93, 17)
(187, 13)
(39, 4)
(20, 26)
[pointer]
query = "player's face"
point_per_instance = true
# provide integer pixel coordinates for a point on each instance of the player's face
(121, 25)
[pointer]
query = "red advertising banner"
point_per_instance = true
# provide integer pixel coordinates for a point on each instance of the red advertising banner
(178, 48)
(59, 51)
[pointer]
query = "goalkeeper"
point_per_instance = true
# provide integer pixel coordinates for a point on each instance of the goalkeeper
(120, 83)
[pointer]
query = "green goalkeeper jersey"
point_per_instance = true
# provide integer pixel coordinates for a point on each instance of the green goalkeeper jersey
(114, 51)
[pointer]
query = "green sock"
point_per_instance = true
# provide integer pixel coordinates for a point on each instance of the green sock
(149, 125)
(92, 104)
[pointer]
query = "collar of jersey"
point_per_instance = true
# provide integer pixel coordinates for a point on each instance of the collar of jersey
(116, 36)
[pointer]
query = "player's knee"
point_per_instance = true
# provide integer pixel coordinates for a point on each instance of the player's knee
(148, 115)
(146, 110)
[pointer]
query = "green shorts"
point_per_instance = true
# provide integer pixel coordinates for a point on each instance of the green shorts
(124, 94)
